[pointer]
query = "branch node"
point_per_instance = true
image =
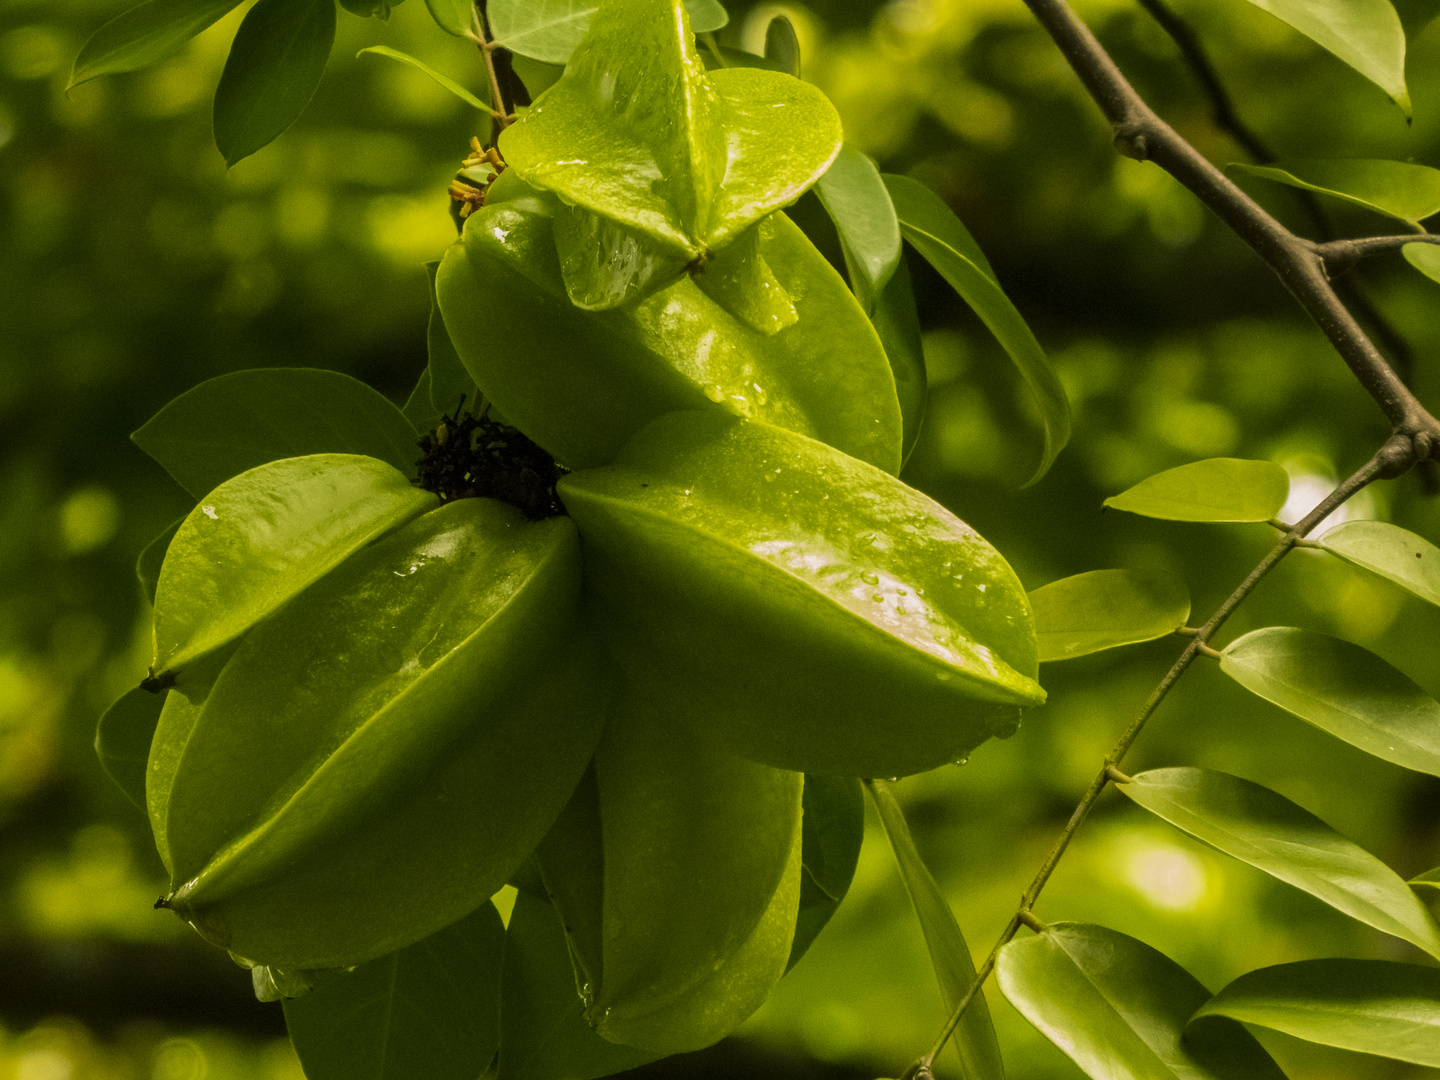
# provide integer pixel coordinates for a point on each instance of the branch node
(1116, 775)
(1131, 140)
(1026, 916)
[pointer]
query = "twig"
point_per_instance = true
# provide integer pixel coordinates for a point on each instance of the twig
(1341, 255)
(1143, 135)
(1386, 459)
(500, 114)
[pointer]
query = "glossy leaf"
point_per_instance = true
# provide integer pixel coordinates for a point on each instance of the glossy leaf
(859, 204)
(227, 425)
(1410, 561)
(897, 322)
(741, 282)
(454, 16)
(1118, 1008)
(152, 557)
(689, 159)
(974, 1038)
(1104, 609)
(431, 1009)
(1425, 258)
(1340, 688)
(420, 65)
(123, 737)
(1370, 1006)
(581, 383)
(537, 75)
(701, 881)
(947, 245)
(549, 30)
(810, 611)
(783, 47)
(263, 537)
(543, 1032)
(1268, 831)
(451, 386)
(833, 826)
(275, 64)
(421, 714)
(1393, 188)
(1216, 489)
(1366, 34)
(142, 35)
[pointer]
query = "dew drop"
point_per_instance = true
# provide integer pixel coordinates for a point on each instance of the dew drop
(879, 598)
(962, 760)
(870, 577)
(902, 592)
(715, 393)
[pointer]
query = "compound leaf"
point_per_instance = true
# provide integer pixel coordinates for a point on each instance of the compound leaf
(1217, 489)
(1340, 688)
(1104, 609)
(1268, 831)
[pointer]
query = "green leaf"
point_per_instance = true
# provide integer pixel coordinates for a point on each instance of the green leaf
(420, 65)
(419, 410)
(142, 35)
(454, 16)
(783, 47)
(1105, 609)
(1366, 34)
(740, 281)
(1118, 1008)
(859, 204)
(784, 592)
(1340, 688)
(689, 159)
(371, 9)
(1425, 258)
(947, 245)
(897, 322)
(262, 538)
(833, 825)
(581, 383)
(1428, 880)
(227, 425)
(147, 566)
(1410, 561)
(1217, 489)
(1268, 831)
(381, 755)
(1393, 188)
(450, 384)
(123, 737)
(974, 1038)
(1370, 1006)
(537, 75)
(431, 1009)
(275, 64)
(725, 56)
(549, 30)
(543, 1032)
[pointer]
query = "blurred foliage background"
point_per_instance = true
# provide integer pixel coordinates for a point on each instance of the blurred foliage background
(133, 265)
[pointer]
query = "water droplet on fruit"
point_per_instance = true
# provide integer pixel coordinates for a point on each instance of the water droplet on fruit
(879, 598)
(870, 577)
(962, 760)
(715, 393)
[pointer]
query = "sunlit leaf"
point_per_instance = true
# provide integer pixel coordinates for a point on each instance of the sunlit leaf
(137, 38)
(227, 425)
(974, 1038)
(1425, 258)
(1268, 831)
(947, 245)
(897, 321)
(432, 1009)
(454, 16)
(1393, 188)
(543, 1032)
(537, 75)
(1410, 561)
(858, 202)
(1104, 609)
(1217, 489)
(549, 30)
(147, 566)
(420, 65)
(833, 825)
(1371, 1006)
(123, 737)
(1428, 880)
(1340, 688)
(783, 47)
(275, 64)
(1366, 34)
(1118, 1008)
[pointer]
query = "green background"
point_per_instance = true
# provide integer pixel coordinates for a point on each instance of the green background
(133, 265)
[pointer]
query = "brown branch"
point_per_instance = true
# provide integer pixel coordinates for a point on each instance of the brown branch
(1340, 255)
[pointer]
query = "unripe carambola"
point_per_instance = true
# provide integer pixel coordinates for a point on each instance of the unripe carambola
(383, 752)
(798, 605)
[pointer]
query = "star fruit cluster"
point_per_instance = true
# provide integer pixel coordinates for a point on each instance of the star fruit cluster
(384, 704)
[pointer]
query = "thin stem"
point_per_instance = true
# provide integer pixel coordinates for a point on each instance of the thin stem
(1383, 463)
(1141, 134)
(500, 113)
(1341, 255)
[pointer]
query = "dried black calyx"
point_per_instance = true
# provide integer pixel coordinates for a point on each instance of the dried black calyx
(470, 456)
